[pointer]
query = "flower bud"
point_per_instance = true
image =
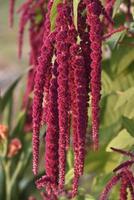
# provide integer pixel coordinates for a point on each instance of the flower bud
(3, 132)
(14, 147)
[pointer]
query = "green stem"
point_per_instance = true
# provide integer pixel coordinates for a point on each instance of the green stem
(18, 169)
(8, 181)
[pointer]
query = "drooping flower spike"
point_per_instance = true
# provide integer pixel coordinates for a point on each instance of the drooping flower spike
(94, 9)
(66, 71)
(108, 187)
(62, 53)
(44, 64)
(123, 152)
(11, 12)
(124, 175)
(66, 62)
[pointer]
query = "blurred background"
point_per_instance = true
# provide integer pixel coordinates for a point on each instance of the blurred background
(10, 66)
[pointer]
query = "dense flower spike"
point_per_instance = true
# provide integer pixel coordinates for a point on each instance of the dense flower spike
(52, 133)
(108, 187)
(80, 103)
(44, 63)
(109, 6)
(123, 152)
(62, 52)
(130, 177)
(126, 164)
(36, 30)
(125, 175)
(123, 188)
(95, 34)
(109, 10)
(23, 21)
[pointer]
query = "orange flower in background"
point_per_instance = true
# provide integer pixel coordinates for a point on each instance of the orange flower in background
(3, 132)
(14, 147)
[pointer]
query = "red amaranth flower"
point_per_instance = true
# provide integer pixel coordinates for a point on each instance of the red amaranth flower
(11, 12)
(94, 10)
(126, 164)
(123, 188)
(23, 21)
(46, 96)
(43, 181)
(62, 53)
(109, 7)
(108, 187)
(44, 64)
(52, 133)
(129, 175)
(80, 101)
(123, 152)
(29, 13)
(126, 183)
(36, 30)
(124, 174)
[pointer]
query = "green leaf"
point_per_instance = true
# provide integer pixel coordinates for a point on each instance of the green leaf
(108, 115)
(129, 109)
(125, 80)
(75, 12)
(2, 180)
(69, 176)
(94, 161)
(70, 158)
(116, 6)
(106, 83)
(8, 95)
(53, 14)
(113, 40)
(128, 124)
(20, 124)
(124, 97)
(42, 131)
(89, 197)
(121, 141)
(122, 57)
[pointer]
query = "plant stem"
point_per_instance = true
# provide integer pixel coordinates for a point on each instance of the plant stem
(8, 183)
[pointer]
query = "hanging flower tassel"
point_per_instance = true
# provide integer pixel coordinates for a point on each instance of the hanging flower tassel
(25, 15)
(95, 34)
(44, 62)
(52, 133)
(11, 12)
(62, 52)
(80, 86)
(108, 187)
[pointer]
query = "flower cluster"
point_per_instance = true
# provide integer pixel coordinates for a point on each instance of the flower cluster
(66, 72)
(124, 174)
(65, 68)
(32, 13)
